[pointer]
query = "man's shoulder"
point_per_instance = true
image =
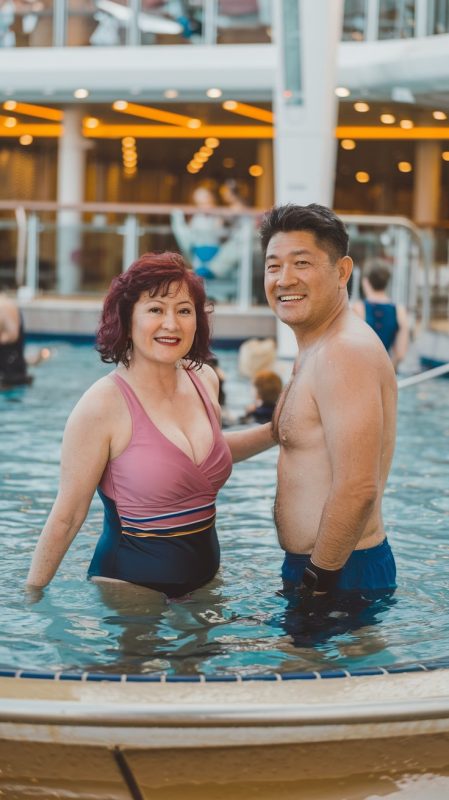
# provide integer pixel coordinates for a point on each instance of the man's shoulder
(353, 346)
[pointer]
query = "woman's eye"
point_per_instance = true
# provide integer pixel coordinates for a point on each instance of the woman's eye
(154, 310)
(186, 311)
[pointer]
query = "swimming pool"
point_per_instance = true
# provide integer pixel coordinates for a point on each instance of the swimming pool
(237, 626)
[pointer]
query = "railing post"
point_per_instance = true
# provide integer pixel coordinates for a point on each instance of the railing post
(245, 275)
(209, 21)
(130, 230)
(21, 221)
(32, 255)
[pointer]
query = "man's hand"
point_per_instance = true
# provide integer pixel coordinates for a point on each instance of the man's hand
(319, 582)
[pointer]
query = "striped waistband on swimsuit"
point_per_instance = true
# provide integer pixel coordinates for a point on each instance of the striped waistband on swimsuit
(174, 524)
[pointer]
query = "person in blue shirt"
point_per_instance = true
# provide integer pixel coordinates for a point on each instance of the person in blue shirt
(385, 317)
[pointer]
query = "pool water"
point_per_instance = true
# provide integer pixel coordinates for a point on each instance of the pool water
(237, 625)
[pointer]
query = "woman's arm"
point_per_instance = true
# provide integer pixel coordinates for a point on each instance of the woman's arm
(85, 452)
(250, 441)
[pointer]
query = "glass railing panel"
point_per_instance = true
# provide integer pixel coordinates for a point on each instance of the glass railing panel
(396, 19)
(438, 16)
(395, 246)
(26, 24)
(97, 22)
(244, 22)
(8, 253)
(354, 20)
(74, 251)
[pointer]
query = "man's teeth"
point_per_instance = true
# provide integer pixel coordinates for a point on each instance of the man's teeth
(285, 297)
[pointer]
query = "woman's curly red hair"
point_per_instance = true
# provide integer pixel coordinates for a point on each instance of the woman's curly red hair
(153, 273)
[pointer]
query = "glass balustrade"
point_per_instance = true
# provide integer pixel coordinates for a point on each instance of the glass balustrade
(112, 23)
(78, 252)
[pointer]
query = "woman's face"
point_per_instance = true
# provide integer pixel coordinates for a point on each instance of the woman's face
(163, 327)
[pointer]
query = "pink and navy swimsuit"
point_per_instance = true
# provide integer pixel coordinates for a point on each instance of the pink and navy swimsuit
(159, 523)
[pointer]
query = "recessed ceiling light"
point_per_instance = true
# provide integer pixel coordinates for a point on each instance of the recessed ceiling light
(255, 170)
(362, 177)
(229, 105)
(10, 122)
(407, 123)
(387, 119)
(26, 139)
(9, 105)
(81, 94)
(194, 123)
(120, 105)
(214, 93)
(348, 144)
(342, 91)
(361, 107)
(212, 141)
(439, 115)
(445, 155)
(404, 166)
(91, 122)
(171, 93)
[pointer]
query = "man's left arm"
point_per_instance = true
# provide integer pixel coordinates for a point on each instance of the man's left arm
(349, 400)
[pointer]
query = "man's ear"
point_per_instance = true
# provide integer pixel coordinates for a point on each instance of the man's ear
(345, 266)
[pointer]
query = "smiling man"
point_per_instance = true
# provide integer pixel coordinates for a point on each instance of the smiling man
(335, 420)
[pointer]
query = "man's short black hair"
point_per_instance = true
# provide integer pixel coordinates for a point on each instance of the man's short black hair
(328, 229)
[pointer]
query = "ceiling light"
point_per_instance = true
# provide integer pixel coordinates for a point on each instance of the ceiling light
(81, 94)
(212, 141)
(342, 91)
(10, 122)
(9, 105)
(362, 177)
(26, 139)
(91, 122)
(406, 124)
(445, 155)
(120, 105)
(194, 123)
(387, 119)
(439, 115)
(214, 93)
(207, 151)
(348, 144)
(229, 105)
(170, 94)
(128, 141)
(404, 166)
(255, 170)
(361, 107)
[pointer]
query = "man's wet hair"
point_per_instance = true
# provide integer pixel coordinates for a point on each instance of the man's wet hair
(329, 231)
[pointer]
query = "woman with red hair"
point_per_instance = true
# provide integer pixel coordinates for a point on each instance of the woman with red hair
(148, 438)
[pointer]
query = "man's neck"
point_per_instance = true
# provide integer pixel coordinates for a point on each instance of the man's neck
(307, 337)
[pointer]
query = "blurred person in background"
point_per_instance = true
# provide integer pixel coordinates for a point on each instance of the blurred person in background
(385, 317)
(268, 386)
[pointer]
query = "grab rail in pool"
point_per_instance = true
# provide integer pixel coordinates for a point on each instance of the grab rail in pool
(427, 375)
(68, 713)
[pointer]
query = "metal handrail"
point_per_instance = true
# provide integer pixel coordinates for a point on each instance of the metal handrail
(70, 713)
(427, 375)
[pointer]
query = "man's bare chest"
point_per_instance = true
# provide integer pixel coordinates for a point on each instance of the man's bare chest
(296, 418)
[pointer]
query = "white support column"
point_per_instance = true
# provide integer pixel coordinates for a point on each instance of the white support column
(305, 101)
(71, 176)
(307, 35)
